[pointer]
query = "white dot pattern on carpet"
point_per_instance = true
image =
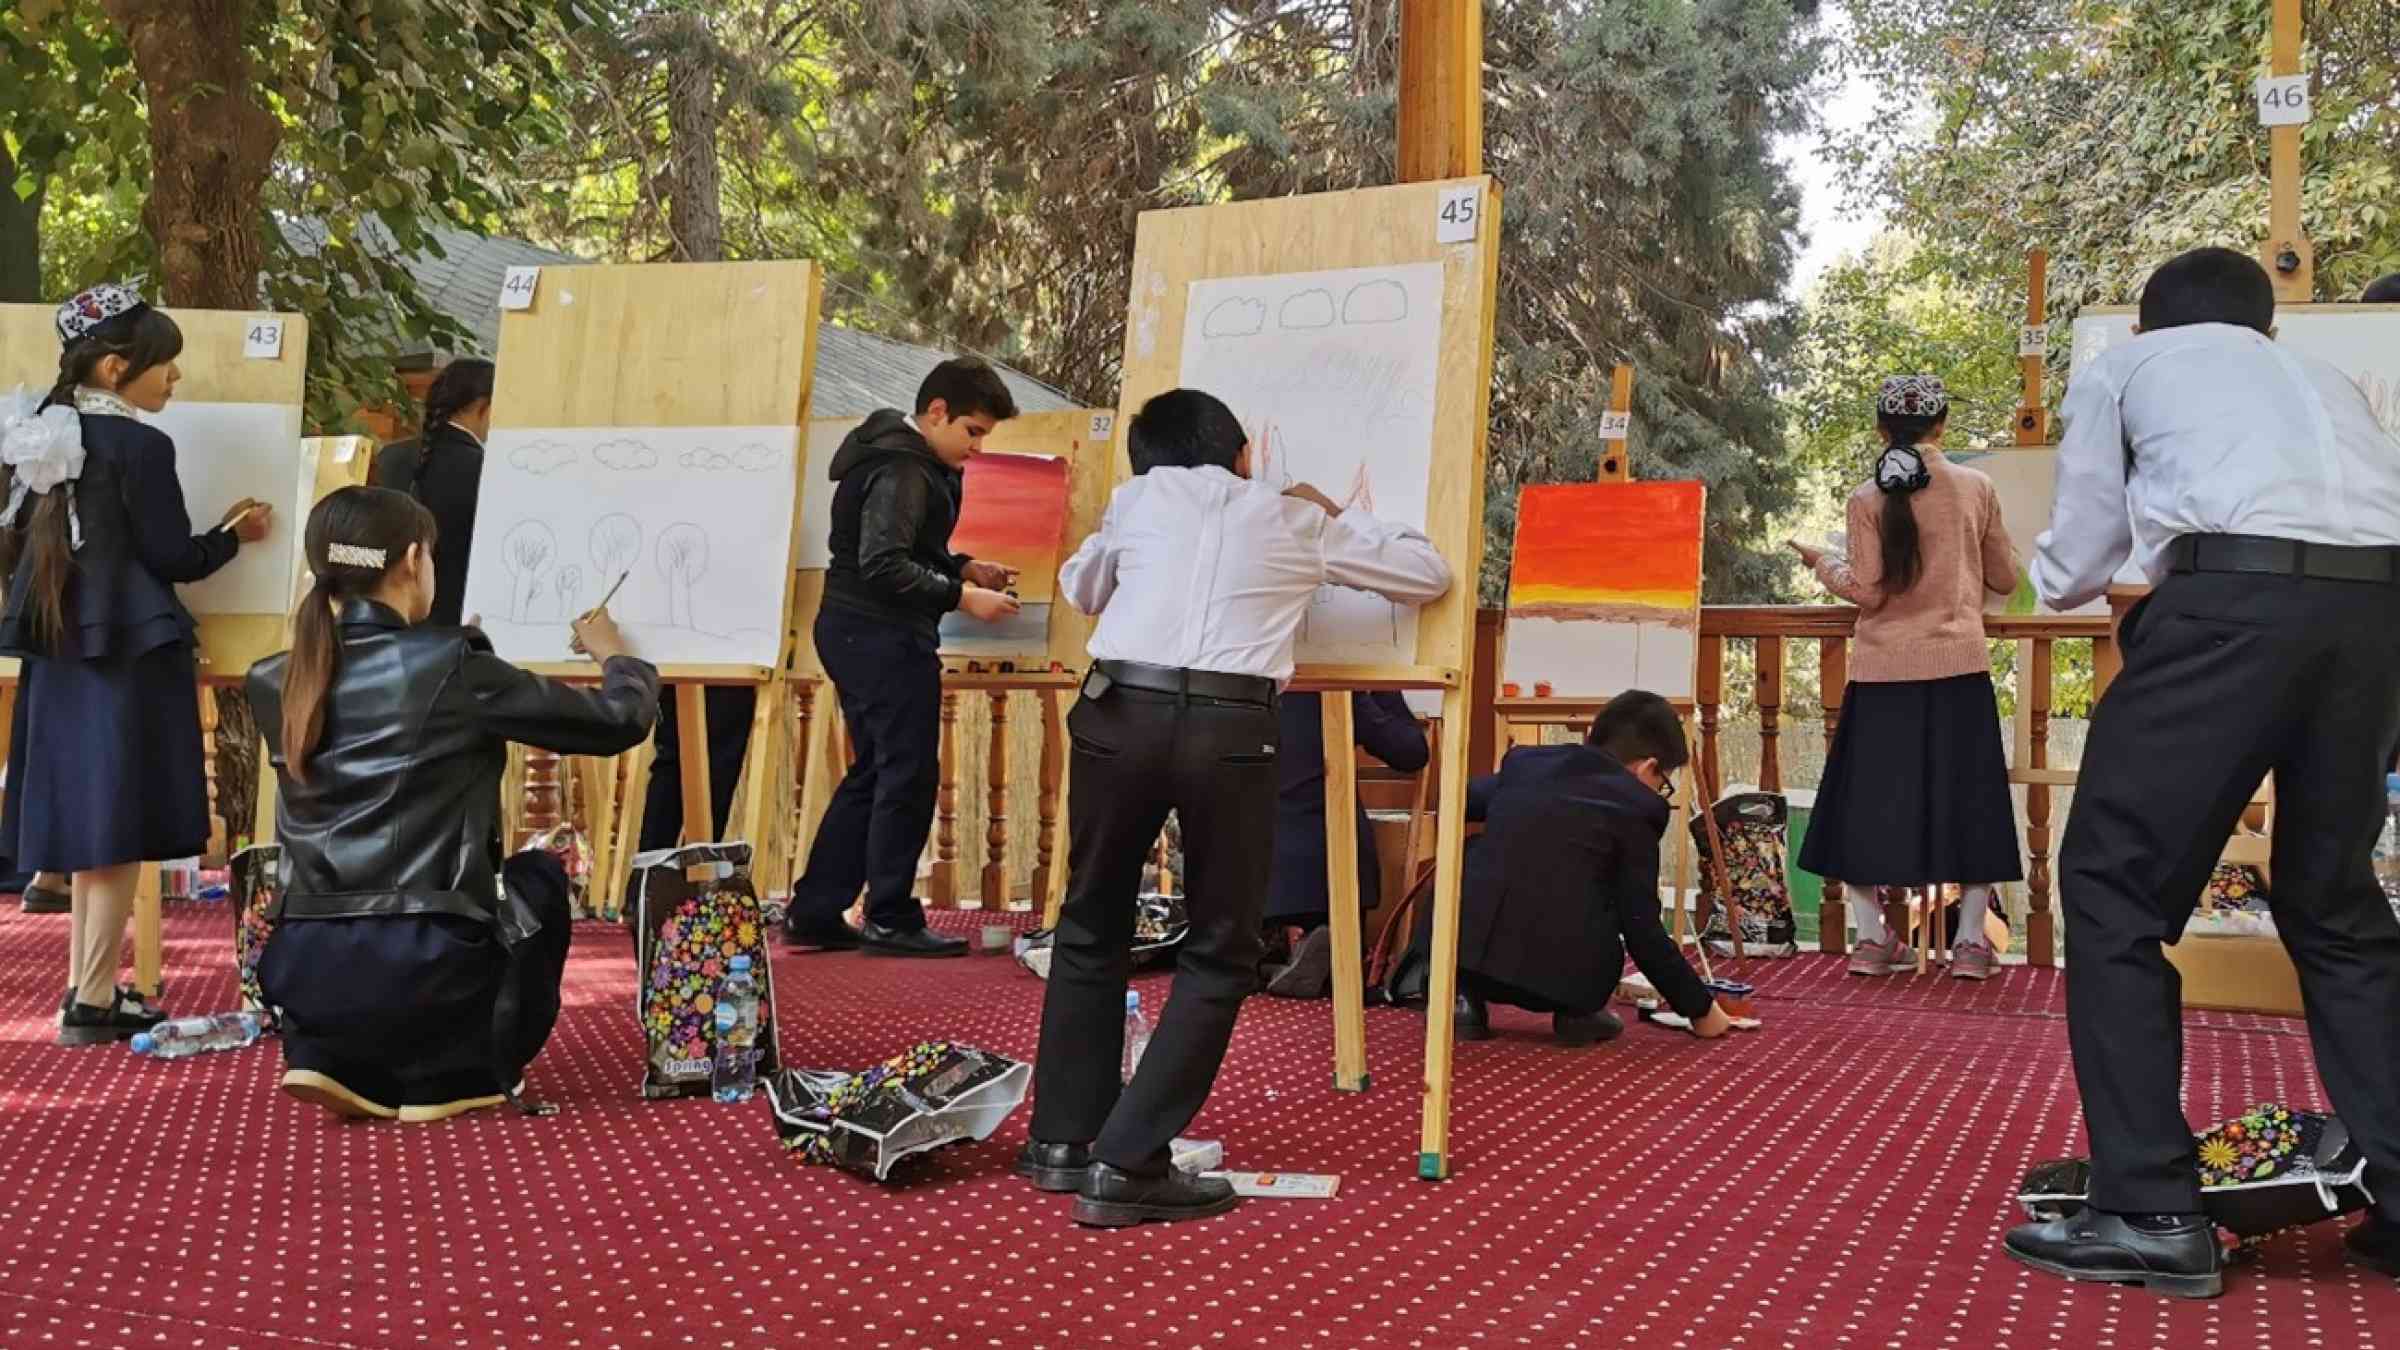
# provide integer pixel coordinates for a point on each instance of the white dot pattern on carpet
(1840, 1179)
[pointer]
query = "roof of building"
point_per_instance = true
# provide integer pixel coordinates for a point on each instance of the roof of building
(857, 372)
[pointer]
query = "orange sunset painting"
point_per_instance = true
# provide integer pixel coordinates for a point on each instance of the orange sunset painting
(1604, 590)
(1013, 512)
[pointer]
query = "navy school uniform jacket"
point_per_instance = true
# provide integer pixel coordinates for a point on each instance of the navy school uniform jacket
(1389, 731)
(444, 470)
(1563, 882)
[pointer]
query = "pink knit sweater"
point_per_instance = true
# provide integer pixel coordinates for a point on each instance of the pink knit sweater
(1934, 629)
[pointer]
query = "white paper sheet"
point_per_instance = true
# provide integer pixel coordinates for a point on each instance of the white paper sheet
(223, 453)
(698, 519)
(1333, 374)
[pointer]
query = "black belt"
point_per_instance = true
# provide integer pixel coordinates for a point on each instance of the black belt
(2261, 555)
(1216, 686)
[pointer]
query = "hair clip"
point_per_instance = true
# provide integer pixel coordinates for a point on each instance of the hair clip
(351, 555)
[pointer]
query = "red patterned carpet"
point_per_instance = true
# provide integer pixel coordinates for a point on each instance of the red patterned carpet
(1837, 1180)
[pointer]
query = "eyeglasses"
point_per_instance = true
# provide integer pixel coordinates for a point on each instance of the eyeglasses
(1664, 787)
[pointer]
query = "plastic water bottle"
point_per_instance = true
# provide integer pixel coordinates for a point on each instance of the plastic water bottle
(735, 1074)
(1137, 1032)
(198, 1035)
(2387, 844)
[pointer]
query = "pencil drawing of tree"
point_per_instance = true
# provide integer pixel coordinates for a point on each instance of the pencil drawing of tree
(529, 550)
(682, 561)
(616, 543)
(570, 589)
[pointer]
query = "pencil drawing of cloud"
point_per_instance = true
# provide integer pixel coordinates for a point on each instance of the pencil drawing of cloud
(542, 457)
(1375, 302)
(625, 454)
(706, 459)
(756, 458)
(1308, 309)
(1234, 318)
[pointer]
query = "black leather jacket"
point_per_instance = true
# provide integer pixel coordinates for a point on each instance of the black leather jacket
(400, 813)
(893, 510)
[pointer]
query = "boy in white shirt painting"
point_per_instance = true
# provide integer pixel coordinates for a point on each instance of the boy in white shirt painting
(2256, 490)
(1201, 579)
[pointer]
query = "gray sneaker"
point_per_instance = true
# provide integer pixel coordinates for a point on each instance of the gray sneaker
(1887, 957)
(1973, 961)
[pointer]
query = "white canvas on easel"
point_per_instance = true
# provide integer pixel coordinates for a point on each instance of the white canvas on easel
(223, 453)
(1332, 375)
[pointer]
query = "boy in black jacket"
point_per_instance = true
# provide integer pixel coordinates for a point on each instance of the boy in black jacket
(1563, 882)
(891, 580)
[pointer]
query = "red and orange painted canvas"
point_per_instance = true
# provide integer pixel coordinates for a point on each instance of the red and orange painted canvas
(1604, 589)
(1014, 513)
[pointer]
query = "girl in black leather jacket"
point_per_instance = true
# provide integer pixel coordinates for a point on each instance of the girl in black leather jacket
(415, 971)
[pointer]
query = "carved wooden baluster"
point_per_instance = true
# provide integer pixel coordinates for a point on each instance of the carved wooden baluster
(1770, 708)
(1833, 676)
(943, 888)
(995, 829)
(542, 797)
(1708, 695)
(2035, 688)
(1054, 767)
(217, 840)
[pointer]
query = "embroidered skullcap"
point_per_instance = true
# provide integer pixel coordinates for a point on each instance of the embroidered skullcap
(94, 307)
(1912, 396)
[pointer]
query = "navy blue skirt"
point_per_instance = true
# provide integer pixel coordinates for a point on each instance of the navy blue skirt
(104, 763)
(1916, 788)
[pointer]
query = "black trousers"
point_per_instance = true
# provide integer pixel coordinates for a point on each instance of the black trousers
(889, 680)
(2228, 678)
(422, 1010)
(1517, 996)
(729, 708)
(1139, 755)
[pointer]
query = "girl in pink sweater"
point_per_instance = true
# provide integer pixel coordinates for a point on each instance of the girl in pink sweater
(1915, 790)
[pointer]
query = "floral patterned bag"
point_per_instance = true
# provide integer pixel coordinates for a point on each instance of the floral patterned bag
(686, 934)
(1752, 825)
(257, 881)
(2266, 1170)
(932, 1094)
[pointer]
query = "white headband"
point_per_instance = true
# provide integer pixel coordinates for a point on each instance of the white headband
(351, 555)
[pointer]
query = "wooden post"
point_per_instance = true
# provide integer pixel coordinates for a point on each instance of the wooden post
(1708, 695)
(1833, 677)
(995, 830)
(1341, 892)
(1441, 136)
(1616, 461)
(217, 832)
(943, 888)
(2033, 418)
(149, 931)
(2290, 258)
(1770, 720)
(691, 762)
(1054, 765)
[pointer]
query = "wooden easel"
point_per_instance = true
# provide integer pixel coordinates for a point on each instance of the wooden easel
(216, 369)
(589, 352)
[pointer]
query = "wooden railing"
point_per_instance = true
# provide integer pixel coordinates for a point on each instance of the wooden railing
(1769, 627)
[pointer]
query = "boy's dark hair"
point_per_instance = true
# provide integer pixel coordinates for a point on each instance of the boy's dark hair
(1184, 429)
(2383, 290)
(2209, 285)
(968, 385)
(1638, 724)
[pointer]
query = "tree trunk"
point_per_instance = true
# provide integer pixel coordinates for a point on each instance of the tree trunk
(695, 202)
(20, 235)
(212, 142)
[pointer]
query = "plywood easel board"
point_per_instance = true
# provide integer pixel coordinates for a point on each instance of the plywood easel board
(647, 424)
(235, 418)
(1084, 437)
(1353, 344)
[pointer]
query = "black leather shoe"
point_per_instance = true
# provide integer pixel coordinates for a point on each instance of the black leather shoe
(1058, 1168)
(43, 900)
(2183, 1262)
(825, 935)
(83, 1024)
(1473, 1019)
(2375, 1244)
(882, 941)
(1586, 1028)
(1109, 1198)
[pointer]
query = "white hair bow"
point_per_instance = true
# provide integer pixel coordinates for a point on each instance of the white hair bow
(44, 448)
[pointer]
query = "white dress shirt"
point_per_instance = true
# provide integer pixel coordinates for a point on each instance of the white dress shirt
(2209, 429)
(1204, 570)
